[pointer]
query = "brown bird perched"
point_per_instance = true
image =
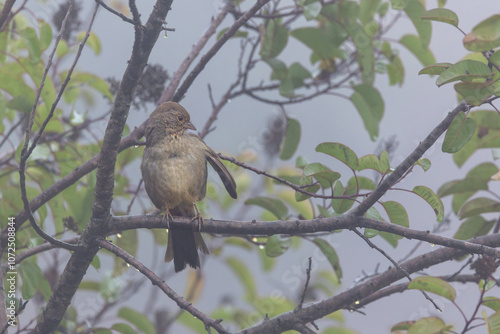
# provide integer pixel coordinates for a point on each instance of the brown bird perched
(174, 169)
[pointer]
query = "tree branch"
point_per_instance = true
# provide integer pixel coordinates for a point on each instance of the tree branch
(91, 164)
(398, 288)
(155, 280)
(392, 178)
(297, 227)
(215, 48)
(195, 51)
(4, 14)
(112, 11)
(88, 246)
(346, 299)
(26, 152)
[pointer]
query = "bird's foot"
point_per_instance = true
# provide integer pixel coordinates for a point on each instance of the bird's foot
(169, 218)
(198, 218)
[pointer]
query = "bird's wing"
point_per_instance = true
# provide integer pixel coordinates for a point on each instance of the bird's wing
(224, 174)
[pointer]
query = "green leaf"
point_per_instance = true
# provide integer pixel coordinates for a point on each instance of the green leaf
(370, 105)
(299, 197)
(123, 328)
(331, 255)
(276, 245)
(301, 162)
(384, 161)
(402, 326)
(244, 275)
(139, 320)
(369, 161)
(466, 152)
(476, 179)
(474, 93)
(495, 58)
(434, 285)
(273, 205)
(437, 68)
(397, 213)
(478, 206)
(294, 78)
(424, 163)
(459, 199)
(493, 323)
(361, 182)
(341, 205)
(93, 41)
(93, 81)
(31, 276)
(322, 174)
(238, 33)
(317, 40)
(465, 70)
(428, 325)
(292, 138)
(415, 45)
(29, 34)
(415, 10)
(492, 302)
(399, 4)
(364, 46)
(280, 71)
(441, 15)
(340, 152)
(473, 227)
(372, 96)
(62, 49)
(458, 134)
(485, 36)
(434, 201)
(45, 35)
(311, 10)
(273, 39)
(100, 330)
(298, 73)
(367, 10)
(396, 71)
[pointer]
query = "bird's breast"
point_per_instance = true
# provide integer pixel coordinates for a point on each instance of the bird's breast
(174, 172)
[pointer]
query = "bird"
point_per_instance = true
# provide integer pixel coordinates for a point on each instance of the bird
(174, 170)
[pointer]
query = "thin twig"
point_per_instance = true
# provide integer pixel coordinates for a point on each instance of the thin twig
(136, 192)
(308, 277)
(195, 51)
(215, 48)
(135, 13)
(22, 306)
(398, 288)
(381, 251)
(288, 183)
(155, 280)
(76, 267)
(111, 10)
(344, 299)
(408, 162)
(469, 321)
(25, 153)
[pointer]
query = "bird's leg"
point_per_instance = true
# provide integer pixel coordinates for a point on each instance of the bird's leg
(198, 217)
(169, 218)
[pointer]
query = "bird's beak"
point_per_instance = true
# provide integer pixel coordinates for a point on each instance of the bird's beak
(190, 126)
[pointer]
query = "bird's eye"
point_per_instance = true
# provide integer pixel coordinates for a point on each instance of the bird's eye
(180, 118)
